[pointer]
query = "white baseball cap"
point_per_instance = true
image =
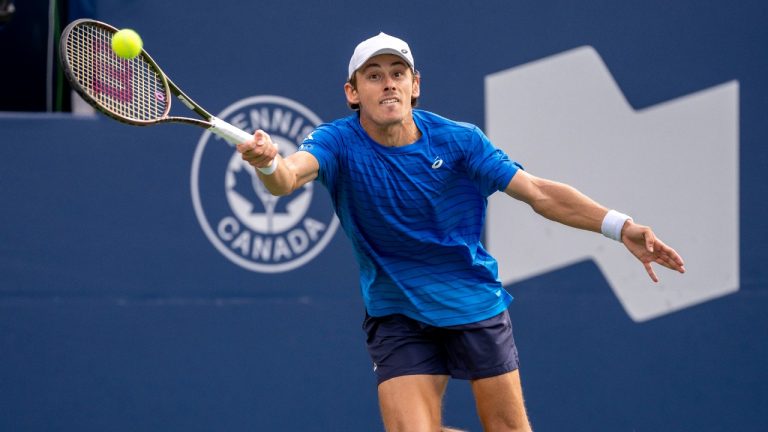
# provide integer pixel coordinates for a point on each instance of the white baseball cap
(379, 44)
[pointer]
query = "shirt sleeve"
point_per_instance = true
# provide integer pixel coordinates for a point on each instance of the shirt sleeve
(324, 144)
(489, 167)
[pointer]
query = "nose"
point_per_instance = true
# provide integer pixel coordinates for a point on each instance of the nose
(389, 83)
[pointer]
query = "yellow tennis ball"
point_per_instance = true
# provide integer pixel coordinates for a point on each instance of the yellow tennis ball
(126, 43)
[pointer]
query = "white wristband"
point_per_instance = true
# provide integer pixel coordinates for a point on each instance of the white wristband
(270, 169)
(613, 223)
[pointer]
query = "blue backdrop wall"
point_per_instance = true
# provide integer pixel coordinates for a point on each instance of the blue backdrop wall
(118, 312)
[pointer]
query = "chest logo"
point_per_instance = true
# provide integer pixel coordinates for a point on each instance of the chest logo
(437, 163)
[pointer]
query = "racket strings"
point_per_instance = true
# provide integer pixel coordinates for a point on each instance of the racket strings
(128, 88)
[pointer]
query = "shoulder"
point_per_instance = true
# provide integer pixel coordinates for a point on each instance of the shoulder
(332, 132)
(345, 125)
(438, 122)
(441, 127)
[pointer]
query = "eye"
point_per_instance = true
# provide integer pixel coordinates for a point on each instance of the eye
(374, 76)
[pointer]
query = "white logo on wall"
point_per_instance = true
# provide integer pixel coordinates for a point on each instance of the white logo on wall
(673, 166)
(247, 224)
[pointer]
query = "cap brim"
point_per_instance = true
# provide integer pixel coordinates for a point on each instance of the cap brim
(392, 51)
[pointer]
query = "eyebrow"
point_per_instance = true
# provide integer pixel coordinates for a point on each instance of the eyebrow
(394, 63)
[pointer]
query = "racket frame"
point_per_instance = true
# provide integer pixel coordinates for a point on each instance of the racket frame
(220, 127)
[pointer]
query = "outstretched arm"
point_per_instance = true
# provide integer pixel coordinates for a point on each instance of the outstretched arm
(281, 176)
(562, 203)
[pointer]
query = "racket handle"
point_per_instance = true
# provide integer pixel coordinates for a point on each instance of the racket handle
(233, 134)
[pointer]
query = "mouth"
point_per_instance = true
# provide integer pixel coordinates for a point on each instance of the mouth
(389, 101)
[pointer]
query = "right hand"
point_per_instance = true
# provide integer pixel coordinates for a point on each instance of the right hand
(260, 151)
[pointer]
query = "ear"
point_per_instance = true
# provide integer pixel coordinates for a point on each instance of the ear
(351, 93)
(416, 86)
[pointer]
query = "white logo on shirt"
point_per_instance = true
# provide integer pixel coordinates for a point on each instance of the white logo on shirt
(437, 163)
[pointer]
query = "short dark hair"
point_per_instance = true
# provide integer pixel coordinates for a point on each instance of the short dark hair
(353, 82)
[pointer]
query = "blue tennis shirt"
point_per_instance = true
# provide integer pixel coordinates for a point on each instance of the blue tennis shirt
(415, 215)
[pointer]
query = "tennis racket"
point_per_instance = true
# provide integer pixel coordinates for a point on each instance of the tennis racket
(134, 91)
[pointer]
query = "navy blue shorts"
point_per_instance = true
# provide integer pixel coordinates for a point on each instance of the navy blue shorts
(399, 346)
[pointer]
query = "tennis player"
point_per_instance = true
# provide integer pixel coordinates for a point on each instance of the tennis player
(410, 189)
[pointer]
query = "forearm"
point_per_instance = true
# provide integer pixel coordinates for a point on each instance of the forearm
(292, 172)
(282, 181)
(565, 204)
(280, 175)
(562, 203)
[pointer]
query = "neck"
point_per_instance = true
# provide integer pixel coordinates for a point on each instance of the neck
(396, 134)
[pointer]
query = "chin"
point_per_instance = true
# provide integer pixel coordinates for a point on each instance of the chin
(399, 112)
(390, 119)
(385, 116)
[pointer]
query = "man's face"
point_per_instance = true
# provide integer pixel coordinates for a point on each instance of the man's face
(385, 86)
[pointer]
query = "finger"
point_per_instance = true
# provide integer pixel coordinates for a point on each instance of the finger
(261, 137)
(663, 248)
(670, 262)
(248, 157)
(650, 271)
(259, 162)
(673, 257)
(650, 239)
(676, 265)
(252, 155)
(666, 263)
(245, 146)
(270, 152)
(676, 257)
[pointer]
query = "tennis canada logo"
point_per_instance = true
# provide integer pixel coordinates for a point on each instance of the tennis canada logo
(247, 224)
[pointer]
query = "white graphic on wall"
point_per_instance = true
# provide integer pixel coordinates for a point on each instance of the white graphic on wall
(248, 225)
(673, 166)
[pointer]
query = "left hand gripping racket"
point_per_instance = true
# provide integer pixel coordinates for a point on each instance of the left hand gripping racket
(134, 91)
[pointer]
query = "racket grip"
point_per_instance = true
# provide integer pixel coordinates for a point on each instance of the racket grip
(232, 134)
